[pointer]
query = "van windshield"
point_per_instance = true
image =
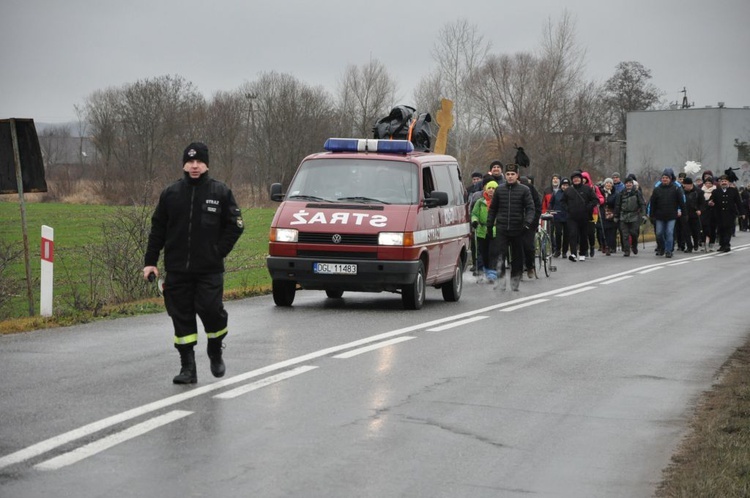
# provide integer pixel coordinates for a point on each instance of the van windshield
(351, 180)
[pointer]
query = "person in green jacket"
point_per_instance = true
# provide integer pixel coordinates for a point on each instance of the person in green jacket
(484, 238)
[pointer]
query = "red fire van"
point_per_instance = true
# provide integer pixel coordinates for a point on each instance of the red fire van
(370, 216)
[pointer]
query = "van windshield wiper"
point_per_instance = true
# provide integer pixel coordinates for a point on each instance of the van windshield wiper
(362, 199)
(308, 197)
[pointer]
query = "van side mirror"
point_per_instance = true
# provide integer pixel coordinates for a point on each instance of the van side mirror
(435, 199)
(276, 194)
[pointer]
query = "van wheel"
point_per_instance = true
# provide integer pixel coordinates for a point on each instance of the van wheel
(334, 294)
(452, 290)
(283, 292)
(413, 295)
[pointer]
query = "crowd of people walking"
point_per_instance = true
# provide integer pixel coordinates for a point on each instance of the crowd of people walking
(687, 214)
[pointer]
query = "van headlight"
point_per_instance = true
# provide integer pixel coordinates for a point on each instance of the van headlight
(395, 239)
(284, 235)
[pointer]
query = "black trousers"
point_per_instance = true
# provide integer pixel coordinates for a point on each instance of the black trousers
(578, 236)
(508, 245)
(187, 295)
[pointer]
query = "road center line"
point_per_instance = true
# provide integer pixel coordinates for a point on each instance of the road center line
(577, 291)
(649, 270)
(264, 382)
(373, 347)
(112, 440)
(524, 305)
(618, 279)
(458, 324)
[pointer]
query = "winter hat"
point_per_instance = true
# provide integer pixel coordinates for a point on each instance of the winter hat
(631, 176)
(687, 181)
(476, 174)
(196, 150)
(668, 172)
(615, 175)
(565, 181)
(706, 173)
(496, 163)
(608, 180)
(490, 184)
(576, 173)
(511, 168)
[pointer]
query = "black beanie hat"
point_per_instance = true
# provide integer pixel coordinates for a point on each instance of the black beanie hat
(687, 180)
(196, 150)
(476, 174)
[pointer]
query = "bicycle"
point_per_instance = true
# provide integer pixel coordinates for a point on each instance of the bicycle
(543, 246)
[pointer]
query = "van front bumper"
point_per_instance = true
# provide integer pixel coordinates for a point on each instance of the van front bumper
(372, 276)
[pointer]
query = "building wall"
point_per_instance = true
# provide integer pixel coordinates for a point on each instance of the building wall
(668, 138)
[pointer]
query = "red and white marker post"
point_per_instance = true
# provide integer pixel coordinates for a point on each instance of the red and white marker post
(48, 258)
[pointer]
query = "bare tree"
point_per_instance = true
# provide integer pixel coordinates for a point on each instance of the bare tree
(365, 94)
(629, 90)
(459, 51)
(226, 133)
(292, 120)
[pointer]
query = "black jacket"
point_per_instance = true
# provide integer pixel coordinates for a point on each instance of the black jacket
(197, 222)
(727, 205)
(694, 201)
(512, 208)
(579, 201)
(666, 201)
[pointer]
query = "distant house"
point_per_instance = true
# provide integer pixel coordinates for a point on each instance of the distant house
(668, 138)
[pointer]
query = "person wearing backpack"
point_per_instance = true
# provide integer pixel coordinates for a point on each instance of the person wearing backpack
(629, 208)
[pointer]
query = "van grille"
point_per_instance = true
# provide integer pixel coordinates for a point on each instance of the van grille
(346, 239)
(337, 255)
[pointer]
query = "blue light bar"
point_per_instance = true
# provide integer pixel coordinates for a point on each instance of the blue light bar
(368, 145)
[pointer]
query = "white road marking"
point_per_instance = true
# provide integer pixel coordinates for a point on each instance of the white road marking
(524, 305)
(264, 382)
(678, 263)
(458, 324)
(618, 279)
(86, 430)
(649, 270)
(113, 440)
(577, 291)
(373, 347)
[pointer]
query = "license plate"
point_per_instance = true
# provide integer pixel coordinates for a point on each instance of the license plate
(334, 269)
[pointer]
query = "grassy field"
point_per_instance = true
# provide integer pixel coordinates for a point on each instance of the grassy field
(78, 226)
(713, 461)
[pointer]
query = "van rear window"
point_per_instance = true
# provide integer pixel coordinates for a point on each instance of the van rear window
(352, 180)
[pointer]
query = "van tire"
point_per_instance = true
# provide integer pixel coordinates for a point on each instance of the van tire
(283, 292)
(334, 294)
(413, 295)
(452, 290)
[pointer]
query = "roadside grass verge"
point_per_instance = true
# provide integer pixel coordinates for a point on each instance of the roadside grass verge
(714, 459)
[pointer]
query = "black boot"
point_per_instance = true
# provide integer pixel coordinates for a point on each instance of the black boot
(214, 354)
(188, 373)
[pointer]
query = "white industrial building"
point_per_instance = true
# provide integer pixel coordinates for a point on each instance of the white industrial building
(668, 138)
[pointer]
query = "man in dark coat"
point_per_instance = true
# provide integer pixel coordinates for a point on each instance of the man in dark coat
(694, 202)
(727, 205)
(667, 205)
(512, 214)
(579, 201)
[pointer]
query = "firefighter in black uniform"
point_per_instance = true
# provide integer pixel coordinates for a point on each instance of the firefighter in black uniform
(197, 222)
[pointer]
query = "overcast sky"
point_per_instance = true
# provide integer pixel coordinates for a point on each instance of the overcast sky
(57, 52)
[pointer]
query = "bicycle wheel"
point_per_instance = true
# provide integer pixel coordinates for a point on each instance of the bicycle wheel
(538, 256)
(545, 252)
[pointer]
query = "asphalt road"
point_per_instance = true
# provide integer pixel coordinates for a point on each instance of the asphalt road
(579, 385)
